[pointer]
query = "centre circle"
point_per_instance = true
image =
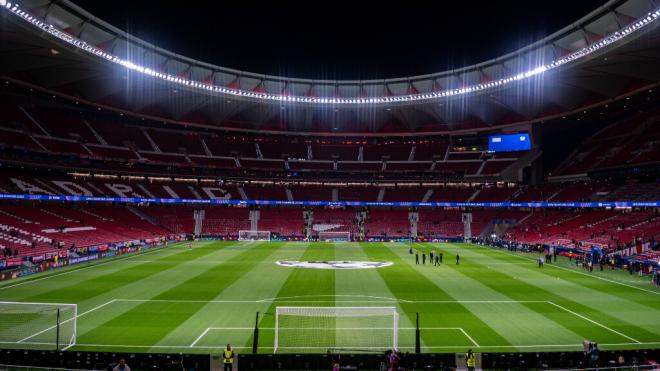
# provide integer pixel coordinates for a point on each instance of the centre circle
(334, 264)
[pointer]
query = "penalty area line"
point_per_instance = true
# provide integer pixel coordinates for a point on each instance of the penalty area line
(329, 328)
(334, 301)
(67, 321)
(469, 337)
(201, 336)
(594, 322)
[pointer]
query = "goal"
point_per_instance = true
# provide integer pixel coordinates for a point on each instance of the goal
(333, 236)
(254, 235)
(335, 329)
(38, 325)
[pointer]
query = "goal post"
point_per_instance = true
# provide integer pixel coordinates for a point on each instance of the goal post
(254, 235)
(38, 325)
(322, 329)
(334, 236)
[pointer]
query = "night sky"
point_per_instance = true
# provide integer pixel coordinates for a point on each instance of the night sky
(341, 40)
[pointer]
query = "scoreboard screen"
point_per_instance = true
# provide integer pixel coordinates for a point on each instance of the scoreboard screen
(509, 142)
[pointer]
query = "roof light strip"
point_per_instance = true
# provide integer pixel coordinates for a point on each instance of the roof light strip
(80, 44)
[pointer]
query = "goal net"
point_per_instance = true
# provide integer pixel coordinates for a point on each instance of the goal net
(335, 329)
(38, 325)
(332, 236)
(254, 235)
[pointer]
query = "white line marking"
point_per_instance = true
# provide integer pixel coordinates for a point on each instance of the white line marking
(508, 346)
(573, 270)
(200, 337)
(335, 296)
(469, 337)
(594, 322)
(335, 328)
(68, 320)
(333, 301)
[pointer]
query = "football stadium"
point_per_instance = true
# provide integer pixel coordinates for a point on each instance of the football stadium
(159, 211)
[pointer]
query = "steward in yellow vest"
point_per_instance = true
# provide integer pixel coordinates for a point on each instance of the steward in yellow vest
(228, 358)
(470, 360)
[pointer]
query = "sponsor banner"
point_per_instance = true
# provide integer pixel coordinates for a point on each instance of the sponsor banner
(582, 205)
(128, 250)
(83, 259)
(13, 262)
(37, 259)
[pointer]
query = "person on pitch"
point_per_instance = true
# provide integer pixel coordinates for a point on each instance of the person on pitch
(417, 257)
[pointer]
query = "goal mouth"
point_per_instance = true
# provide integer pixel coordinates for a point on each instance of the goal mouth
(334, 236)
(328, 329)
(30, 325)
(338, 264)
(253, 235)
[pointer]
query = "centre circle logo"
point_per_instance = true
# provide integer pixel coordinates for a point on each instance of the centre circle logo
(340, 264)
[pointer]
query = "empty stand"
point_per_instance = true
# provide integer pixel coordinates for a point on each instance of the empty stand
(285, 222)
(344, 152)
(438, 223)
(335, 220)
(80, 227)
(387, 223)
(225, 221)
(623, 143)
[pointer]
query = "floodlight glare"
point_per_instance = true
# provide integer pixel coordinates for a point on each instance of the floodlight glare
(578, 54)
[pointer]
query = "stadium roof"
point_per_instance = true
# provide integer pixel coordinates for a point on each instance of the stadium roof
(610, 53)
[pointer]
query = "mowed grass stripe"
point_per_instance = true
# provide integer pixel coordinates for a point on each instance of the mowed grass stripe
(591, 279)
(98, 309)
(365, 287)
(101, 264)
(93, 283)
(262, 282)
(103, 307)
(523, 323)
(303, 286)
(514, 321)
(113, 303)
(148, 322)
(597, 294)
(34, 285)
(406, 282)
(522, 283)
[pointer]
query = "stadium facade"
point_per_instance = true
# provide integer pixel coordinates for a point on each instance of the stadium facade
(109, 143)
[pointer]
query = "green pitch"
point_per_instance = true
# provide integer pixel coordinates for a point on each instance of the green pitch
(196, 300)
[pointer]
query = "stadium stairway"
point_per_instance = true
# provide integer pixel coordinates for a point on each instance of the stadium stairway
(142, 215)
